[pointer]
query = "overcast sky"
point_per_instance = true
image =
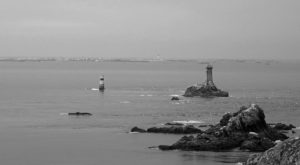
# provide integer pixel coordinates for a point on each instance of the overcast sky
(147, 28)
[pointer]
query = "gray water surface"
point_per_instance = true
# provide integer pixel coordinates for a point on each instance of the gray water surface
(35, 95)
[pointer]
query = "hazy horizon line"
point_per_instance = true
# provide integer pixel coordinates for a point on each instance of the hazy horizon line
(145, 58)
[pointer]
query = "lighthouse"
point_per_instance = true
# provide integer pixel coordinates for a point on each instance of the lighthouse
(209, 76)
(101, 83)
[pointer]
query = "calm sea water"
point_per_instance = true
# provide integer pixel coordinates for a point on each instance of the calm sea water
(34, 96)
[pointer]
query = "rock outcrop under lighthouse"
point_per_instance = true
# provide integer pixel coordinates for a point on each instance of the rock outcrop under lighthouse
(206, 89)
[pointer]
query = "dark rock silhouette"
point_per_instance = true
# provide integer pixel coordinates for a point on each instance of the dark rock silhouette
(175, 98)
(79, 114)
(174, 124)
(281, 126)
(246, 129)
(284, 153)
(256, 143)
(137, 129)
(189, 129)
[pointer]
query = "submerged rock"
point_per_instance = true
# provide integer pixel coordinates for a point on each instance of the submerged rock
(246, 129)
(284, 153)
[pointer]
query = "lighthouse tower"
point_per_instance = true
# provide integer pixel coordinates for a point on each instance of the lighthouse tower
(101, 83)
(209, 76)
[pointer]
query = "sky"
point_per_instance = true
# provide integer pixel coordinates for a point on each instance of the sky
(182, 29)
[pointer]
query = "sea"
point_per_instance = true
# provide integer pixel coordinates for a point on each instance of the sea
(36, 96)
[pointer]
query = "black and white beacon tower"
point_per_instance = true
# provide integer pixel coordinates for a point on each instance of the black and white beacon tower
(101, 83)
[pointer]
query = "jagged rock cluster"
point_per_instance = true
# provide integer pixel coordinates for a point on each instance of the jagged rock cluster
(245, 129)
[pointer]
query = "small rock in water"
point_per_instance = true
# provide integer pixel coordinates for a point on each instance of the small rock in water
(79, 114)
(137, 129)
(175, 98)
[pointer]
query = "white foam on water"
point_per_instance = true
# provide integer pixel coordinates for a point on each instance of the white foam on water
(142, 95)
(133, 132)
(174, 95)
(189, 122)
(153, 148)
(149, 95)
(94, 89)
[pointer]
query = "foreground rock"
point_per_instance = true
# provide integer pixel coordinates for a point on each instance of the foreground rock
(189, 129)
(205, 90)
(284, 153)
(245, 129)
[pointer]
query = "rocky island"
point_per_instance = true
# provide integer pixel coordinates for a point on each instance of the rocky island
(206, 89)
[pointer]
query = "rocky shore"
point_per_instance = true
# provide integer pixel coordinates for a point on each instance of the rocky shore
(245, 130)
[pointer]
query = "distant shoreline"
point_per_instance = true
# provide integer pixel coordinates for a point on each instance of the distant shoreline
(96, 59)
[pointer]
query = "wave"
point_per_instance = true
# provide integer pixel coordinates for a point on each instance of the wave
(185, 122)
